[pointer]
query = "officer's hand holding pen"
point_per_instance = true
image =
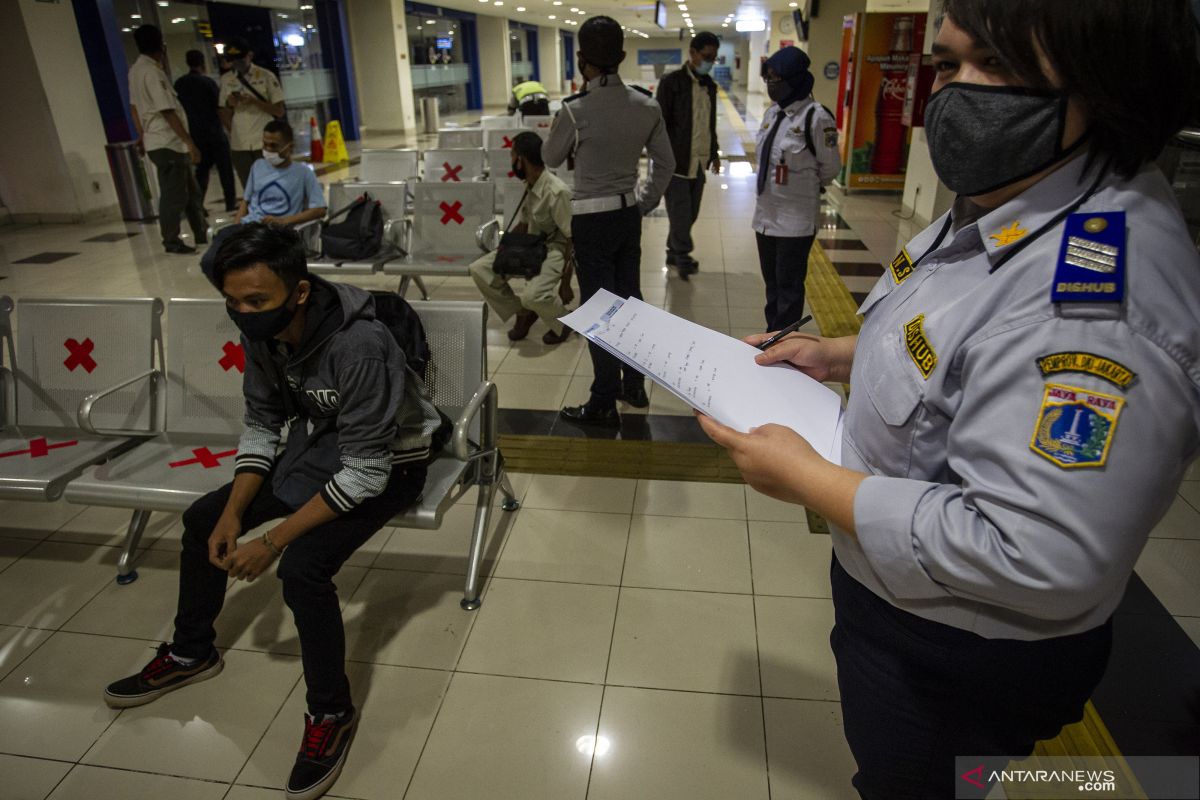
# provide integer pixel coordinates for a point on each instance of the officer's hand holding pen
(795, 326)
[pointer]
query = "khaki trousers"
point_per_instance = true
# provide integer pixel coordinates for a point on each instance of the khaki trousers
(539, 295)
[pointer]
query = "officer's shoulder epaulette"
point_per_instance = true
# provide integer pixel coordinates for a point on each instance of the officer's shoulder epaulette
(641, 89)
(575, 96)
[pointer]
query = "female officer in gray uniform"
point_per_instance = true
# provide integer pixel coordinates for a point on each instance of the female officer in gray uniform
(1024, 391)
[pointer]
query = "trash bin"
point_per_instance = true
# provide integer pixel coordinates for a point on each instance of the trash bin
(429, 109)
(129, 175)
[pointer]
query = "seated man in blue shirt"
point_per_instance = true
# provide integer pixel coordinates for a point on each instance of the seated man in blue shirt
(279, 190)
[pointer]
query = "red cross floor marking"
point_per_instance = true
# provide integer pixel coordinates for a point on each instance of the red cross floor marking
(451, 172)
(507, 142)
(80, 355)
(38, 448)
(234, 358)
(205, 457)
(450, 259)
(450, 212)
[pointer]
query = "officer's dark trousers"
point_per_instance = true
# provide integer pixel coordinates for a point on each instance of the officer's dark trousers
(243, 160)
(215, 153)
(784, 264)
(178, 194)
(306, 568)
(608, 255)
(683, 207)
(917, 693)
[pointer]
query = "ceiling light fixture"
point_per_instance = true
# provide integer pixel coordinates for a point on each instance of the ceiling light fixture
(749, 25)
(520, 8)
(553, 17)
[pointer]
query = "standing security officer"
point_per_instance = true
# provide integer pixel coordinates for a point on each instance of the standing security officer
(606, 127)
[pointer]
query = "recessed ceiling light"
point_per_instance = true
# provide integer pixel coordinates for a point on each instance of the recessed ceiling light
(520, 8)
(178, 20)
(683, 7)
(126, 30)
(553, 17)
(135, 16)
(724, 24)
(792, 5)
(163, 3)
(498, 3)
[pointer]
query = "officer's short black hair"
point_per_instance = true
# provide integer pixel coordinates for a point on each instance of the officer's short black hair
(1133, 65)
(528, 145)
(277, 246)
(281, 127)
(705, 39)
(149, 40)
(601, 43)
(194, 58)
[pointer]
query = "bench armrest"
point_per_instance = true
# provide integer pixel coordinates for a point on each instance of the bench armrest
(485, 399)
(310, 234)
(8, 391)
(84, 414)
(487, 237)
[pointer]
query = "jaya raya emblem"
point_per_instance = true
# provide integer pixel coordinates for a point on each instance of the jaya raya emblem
(1075, 426)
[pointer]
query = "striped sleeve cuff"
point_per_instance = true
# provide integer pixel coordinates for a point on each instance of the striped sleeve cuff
(359, 479)
(256, 449)
(253, 463)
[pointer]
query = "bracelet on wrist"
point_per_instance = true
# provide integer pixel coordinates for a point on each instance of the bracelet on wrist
(266, 537)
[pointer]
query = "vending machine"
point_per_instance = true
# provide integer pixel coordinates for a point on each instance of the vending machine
(873, 86)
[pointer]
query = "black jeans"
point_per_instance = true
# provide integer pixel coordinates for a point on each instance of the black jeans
(215, 153)
(608, 255)
(917, 693)
(784, 264)
(306, 568)
(178, 195)
(243, 160)
(683, 207)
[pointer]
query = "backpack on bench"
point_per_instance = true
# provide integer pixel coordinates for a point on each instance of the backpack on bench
(356, 238)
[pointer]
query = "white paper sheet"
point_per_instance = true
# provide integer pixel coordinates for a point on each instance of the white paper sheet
(710, 371)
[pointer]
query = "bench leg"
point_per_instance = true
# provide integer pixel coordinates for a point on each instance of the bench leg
(420, 282)
(511, 503)
(133, 536)
(405, 280)
(483, 516)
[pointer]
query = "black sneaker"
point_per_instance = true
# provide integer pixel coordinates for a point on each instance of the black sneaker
(179, 249)
(322, 754)
(589, 414)
(163, 674)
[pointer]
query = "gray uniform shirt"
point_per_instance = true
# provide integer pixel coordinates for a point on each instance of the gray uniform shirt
(608, 127)
(961, 374)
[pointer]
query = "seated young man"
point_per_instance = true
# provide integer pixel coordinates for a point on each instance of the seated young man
(546, 209)
(280, 190)
(360, 424)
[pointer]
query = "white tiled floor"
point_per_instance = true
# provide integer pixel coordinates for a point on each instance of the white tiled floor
(638, 639)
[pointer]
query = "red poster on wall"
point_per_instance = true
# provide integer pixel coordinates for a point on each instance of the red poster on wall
(875, 140)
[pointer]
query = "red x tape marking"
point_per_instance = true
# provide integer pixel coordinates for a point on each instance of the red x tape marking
(234, 358)
(38, 448)
(451, 172)
(80, 355)
(450, 259)
(205, 457)
(507, 142)
(450, 212)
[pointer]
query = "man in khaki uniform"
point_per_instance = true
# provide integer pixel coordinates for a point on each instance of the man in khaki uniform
(545, 210)
(250, 98)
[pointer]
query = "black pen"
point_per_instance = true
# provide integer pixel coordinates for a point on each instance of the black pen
(789, 329)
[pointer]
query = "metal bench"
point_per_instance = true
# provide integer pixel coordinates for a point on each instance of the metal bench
(59, 418)
(449, 138)
(384, 166)
(501, 138)
(195, 455)
(454, 166)
(393, 198)
(500, 172)
(446, 224)
(539, 125)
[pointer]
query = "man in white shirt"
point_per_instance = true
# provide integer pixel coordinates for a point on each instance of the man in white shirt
(163, 135)
(250, 98)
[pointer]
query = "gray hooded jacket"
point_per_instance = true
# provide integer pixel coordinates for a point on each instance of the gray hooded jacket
(351, 405)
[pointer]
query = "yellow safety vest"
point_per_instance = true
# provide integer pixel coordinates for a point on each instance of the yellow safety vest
(523, 90)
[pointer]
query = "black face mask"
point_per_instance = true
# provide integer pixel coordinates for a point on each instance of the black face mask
(779, 91)
(518, 171)
(983, 138)
(262, 326)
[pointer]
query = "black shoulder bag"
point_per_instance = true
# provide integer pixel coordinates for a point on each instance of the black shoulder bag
(520, 255)
(242, 79)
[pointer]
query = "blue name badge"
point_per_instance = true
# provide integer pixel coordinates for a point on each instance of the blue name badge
(1091, 260)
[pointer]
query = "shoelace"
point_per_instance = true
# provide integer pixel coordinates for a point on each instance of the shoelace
(161, 663)
(316, 735)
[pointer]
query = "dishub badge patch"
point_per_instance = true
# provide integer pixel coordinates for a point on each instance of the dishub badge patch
(1075, 427)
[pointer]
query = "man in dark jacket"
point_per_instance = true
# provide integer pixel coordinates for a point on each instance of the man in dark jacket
(359, 425)
(689, 106)
(198, 95)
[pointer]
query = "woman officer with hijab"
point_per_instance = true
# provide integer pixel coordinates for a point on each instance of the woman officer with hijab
(797, 156)
(1025, 393)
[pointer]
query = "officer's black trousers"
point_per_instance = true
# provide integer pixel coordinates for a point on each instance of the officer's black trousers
(306, 569)
(917, 693)
(215, 153)
(784, 264)
(608, 255)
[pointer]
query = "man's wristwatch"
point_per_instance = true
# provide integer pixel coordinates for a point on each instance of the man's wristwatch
(266, 537)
